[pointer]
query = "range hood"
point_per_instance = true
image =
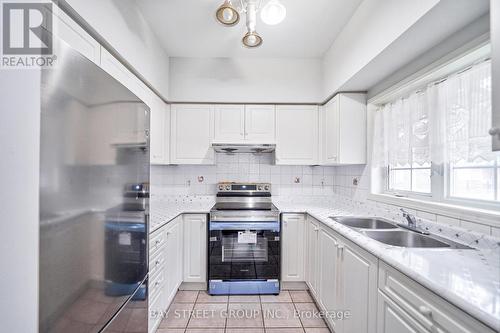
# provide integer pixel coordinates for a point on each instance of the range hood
(238, 148)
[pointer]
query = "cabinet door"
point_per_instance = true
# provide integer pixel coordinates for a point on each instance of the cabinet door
(158, 140)
(392, 319)
(312, 255)
(293, 240)
(191, 134)
(260, 123)
(229, 123)
(172, 267)
(331, 131)
(358, 288)
(74, 35)
(495, 63)
(328, 274)
(297, 135)
(195, 248)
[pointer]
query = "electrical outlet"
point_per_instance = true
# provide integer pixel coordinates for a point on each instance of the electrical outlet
(355, 181)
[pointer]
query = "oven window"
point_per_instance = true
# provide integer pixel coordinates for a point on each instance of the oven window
(234, 249)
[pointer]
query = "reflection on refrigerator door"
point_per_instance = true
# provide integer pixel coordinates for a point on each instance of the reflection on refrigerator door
(94, 180)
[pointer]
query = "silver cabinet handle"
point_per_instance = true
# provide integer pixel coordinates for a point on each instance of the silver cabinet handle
(425, 311)
(495, 131)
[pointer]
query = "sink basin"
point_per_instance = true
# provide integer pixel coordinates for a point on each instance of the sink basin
(363, 222)
(405, 238)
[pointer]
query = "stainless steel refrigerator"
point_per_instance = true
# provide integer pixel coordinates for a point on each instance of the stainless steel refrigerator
(94, 180)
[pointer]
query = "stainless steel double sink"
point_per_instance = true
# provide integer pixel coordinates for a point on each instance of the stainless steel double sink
(389, 233)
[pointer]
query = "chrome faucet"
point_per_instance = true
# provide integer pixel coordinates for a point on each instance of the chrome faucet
(411, 223)
(410, 219)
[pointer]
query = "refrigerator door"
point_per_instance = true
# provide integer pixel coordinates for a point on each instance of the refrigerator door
(93, 240)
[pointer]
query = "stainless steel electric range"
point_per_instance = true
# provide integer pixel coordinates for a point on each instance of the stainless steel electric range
(244, 241)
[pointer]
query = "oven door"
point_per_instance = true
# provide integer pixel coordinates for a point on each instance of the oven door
(244, 251)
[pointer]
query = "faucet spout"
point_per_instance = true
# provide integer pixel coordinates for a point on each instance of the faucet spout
(411, 222)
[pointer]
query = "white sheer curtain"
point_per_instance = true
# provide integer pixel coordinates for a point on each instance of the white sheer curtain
(443, 123)
(466, 103)
(401, 133)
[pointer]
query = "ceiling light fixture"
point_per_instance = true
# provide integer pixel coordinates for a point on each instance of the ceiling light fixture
(272, 13)
(227, 15)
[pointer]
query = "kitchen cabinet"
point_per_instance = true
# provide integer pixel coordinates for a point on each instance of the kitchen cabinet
(73, 34)
(297, 135)
(392, 319)
(343, 130)
(173, 259)
(344, 276)
(260, 123)
(165, 269)
(192, 134)
(229, 123)
(404, 303)
(160, 132)
(328, 274)
(244, 123)
(495, 63)
(312, 251)
(358, 272)
(195, 248)
(293, 247)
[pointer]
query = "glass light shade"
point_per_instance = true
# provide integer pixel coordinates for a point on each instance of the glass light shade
(252, 39)
(227, 15)
(273, 12)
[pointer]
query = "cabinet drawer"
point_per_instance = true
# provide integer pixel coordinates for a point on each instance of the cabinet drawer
(156, 312)
(156, 283)
(156, 242)
(156, 262)
(428, 309)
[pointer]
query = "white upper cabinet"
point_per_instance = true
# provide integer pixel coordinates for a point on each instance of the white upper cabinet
(297, 135)
(74, 35)
(260, 123)
(160, 132)
(229, 123)
(244, 123)
(192, 134)
(343, 128)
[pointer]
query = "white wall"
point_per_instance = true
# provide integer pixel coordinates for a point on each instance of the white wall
(265, 80)
(19, 176)
(374, 26)
(122, 25)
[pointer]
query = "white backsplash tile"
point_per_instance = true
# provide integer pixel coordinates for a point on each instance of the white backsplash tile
(327, 182)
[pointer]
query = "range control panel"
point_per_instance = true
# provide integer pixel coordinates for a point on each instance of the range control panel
(244, 187)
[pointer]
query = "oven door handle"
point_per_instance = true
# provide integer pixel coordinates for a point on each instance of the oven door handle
(273, 226)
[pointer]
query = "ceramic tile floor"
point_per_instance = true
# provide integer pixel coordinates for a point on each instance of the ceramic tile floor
(197, 312)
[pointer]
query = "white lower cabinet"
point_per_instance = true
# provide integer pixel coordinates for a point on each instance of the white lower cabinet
(328, 296)
(165, 269)
(403, 303)
(195, 248)
(312, 251)
(293, 247)
(344, 278)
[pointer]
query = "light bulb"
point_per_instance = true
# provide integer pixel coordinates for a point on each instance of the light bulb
(227, 14)
(273, 12)
(251, 40)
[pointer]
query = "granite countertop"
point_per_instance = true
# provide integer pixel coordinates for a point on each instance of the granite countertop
(469, 279)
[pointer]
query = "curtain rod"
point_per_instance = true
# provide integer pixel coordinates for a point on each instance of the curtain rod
(441, 80)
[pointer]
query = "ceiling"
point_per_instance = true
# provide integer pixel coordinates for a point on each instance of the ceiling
(187, 28)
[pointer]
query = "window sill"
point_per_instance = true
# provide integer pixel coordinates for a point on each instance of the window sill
(482, 216)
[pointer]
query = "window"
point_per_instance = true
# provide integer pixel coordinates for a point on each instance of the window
(434, 142)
